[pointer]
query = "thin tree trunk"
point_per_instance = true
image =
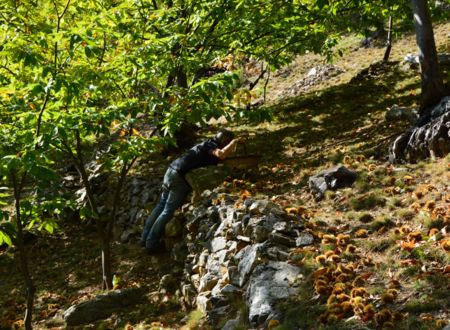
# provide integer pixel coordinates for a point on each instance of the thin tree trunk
(106, 260)
(387, 53)
(23, 259)
(432, 84)
(108, 230)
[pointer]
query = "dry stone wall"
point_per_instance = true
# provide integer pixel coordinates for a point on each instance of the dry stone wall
(237, 253)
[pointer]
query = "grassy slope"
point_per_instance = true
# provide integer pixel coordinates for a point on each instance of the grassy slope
(363, 233)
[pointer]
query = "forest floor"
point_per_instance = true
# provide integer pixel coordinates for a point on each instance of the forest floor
(390, 228)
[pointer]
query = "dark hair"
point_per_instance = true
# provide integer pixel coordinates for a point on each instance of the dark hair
(223, 137)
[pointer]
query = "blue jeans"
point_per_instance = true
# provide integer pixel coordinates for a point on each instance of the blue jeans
(175, 190)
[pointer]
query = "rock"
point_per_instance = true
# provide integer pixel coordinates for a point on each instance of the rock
(334, 178)
(218, 243)
(232, 324)
(278, 253)
(127, 234)
(207, 282)
(102, 306)
(206, 178)
(396, 113)
(179, 252)
(447, 327)
(174, 228)
(314, 76)
(429, 140)
(249, 260)
(268, 285)
(304, 239)
(168, 283)
(189, 293)
(203, 301)
(411, 59)
(230, 290)
(243, 238)
(212, 214)
(260, 234)
(414, 60)
(259, 207)
(282, 239)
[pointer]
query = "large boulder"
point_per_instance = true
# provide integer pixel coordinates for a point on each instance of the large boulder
(102, 306)
(335, 178)
(269, 284)
(429, 140)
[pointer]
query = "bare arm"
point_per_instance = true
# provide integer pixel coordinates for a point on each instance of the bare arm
(227, 150)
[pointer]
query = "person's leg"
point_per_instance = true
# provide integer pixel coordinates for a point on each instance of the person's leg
(153, 216)
(178, 191)
(157, 209)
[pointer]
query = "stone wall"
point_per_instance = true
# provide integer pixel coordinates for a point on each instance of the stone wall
(237, 254)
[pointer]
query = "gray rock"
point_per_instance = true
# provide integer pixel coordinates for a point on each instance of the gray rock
(231, 324)
(268, 285)
(447, 327)
(219, 313)
(259, 206)
(235, 323)
(278, 253)
(431, 139)
(304, 239)
(212, 214)
(203, 301)
(102, 306)
(260, 234)
(222, 255)
(207, 282)
(230, 290)
(247, 263)
(189, 293)
(127, 234)
(237, 228)
(334, 178)
(280, 226)
(282, 239)
(218, 243)
(396, 113)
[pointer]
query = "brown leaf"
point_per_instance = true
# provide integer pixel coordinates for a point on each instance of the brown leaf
(407, 245)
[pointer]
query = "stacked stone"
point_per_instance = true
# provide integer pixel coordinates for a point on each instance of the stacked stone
(238, 252)
(315, 76)
(138, 194)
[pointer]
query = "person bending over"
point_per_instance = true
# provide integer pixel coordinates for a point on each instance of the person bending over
(175, 188)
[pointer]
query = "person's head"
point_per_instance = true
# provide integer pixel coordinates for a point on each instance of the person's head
(223, 137)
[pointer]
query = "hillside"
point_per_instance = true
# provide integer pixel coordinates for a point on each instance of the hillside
(387, 235)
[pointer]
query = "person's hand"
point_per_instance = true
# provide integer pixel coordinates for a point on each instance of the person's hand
(240, 140)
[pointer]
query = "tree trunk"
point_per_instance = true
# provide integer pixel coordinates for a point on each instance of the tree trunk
(432, 84)
(106, 260)
(387, 53)
(23, 259)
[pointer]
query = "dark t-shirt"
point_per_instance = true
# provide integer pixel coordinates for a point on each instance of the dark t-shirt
(199, 155)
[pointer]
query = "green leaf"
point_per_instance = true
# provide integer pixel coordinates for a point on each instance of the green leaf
(86, 212)
(5, 238)
(43, 173)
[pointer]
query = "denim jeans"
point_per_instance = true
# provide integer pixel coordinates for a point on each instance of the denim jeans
(175, 190)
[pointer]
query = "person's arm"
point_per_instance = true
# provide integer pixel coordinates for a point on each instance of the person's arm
(227, 150)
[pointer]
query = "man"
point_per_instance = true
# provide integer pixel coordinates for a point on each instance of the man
(176, 189)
